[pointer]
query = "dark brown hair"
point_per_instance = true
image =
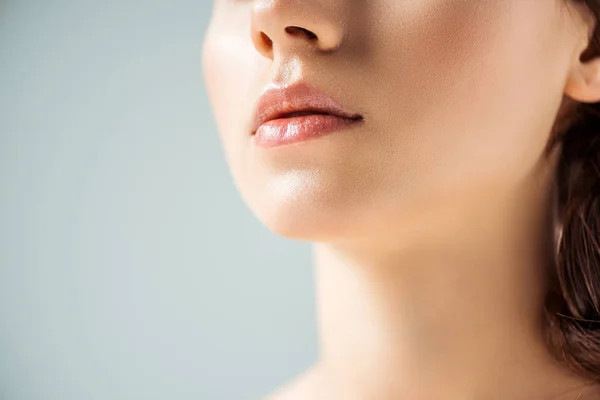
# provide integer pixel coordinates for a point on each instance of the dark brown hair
(573, 308)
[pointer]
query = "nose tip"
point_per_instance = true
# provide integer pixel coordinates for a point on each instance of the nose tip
(280, 25)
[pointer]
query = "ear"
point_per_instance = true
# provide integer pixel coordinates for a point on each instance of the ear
(583, 81)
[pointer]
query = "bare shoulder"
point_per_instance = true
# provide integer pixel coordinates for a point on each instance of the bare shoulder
(309, 385)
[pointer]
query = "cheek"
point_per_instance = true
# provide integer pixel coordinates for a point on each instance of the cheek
(231, 72)
(223, 78)
(229, 66)
(479, 90)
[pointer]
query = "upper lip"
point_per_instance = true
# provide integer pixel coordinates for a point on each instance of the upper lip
(281, 101)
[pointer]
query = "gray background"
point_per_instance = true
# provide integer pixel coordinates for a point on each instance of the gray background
(129, 266)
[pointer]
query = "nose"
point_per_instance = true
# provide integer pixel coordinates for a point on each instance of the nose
(281, 25)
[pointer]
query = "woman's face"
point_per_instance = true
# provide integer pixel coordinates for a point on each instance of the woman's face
(458, 98)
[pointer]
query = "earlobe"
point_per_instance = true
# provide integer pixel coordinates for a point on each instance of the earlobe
(583, 83)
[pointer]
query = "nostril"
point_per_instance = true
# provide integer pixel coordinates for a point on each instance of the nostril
(295, 30)
(265, 39)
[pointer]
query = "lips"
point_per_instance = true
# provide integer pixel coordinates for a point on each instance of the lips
(297, 100)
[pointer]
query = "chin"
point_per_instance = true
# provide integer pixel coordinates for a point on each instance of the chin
(304, 222)
(303, 212)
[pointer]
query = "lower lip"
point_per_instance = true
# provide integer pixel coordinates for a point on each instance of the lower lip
(284, 131)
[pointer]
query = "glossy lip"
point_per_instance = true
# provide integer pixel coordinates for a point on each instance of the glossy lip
(280, 101)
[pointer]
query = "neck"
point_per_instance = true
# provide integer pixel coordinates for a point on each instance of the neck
(452, 310)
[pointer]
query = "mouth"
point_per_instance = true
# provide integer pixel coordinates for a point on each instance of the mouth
(298, 100)
(299, 126)
(303, 112)
(294, 113)
(306, 116)
(307, 112)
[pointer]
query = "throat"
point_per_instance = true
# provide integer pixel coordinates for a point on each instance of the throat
(399, 327)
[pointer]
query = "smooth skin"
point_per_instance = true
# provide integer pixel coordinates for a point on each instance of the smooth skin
(433, 222)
